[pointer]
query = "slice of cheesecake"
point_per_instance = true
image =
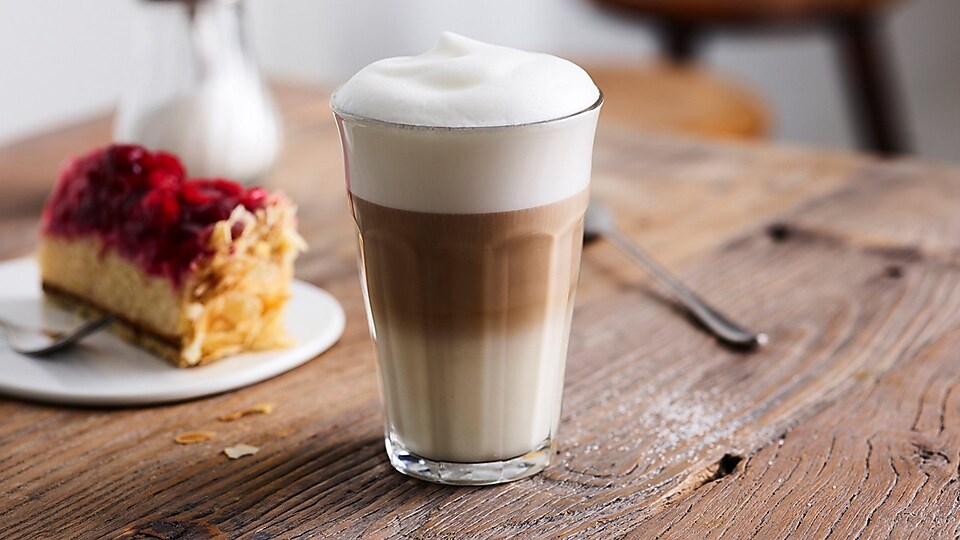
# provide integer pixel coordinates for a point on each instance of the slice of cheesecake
(195, 269)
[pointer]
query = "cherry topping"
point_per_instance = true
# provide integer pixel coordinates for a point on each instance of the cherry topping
(142, 204)
(255, 198)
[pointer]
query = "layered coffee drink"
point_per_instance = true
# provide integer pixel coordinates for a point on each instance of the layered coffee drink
(468, 172)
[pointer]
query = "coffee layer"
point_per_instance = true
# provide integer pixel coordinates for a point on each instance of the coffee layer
(470, 313)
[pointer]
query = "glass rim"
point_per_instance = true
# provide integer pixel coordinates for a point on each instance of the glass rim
(366, 119)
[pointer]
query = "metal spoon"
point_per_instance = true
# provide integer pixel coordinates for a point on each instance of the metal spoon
(599, 221)
(41, 342)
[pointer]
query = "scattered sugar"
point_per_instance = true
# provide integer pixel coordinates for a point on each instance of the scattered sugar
(664, 426)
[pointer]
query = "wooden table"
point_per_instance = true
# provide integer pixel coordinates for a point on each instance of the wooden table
(847, 425)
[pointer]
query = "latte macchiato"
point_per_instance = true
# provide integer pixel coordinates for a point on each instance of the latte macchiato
(468, 171)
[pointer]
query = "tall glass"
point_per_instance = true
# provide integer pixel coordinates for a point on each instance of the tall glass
(469, 253)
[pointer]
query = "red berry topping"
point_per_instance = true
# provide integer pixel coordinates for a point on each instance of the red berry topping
(142, 204)
(255, 198)
(161, 208)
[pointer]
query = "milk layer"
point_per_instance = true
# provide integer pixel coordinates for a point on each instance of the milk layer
(468, 170)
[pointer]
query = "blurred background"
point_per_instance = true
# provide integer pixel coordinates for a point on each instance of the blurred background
(64, 61)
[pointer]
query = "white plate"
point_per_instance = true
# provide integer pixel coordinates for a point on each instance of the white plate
(105, 370)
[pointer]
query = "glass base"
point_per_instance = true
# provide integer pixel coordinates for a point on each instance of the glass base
(469, 474)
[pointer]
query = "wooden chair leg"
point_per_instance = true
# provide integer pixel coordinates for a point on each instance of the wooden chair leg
(870, 89)
(679, 41)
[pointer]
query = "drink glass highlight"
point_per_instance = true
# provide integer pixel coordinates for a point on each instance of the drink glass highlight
(470, 306)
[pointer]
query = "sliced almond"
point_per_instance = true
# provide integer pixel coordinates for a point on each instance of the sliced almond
(240, 450)
(262, 408)
(193, 437)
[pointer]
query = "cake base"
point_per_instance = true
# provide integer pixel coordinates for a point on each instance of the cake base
(166, 347)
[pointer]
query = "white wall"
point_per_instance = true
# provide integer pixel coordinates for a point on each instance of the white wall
(59, 60)
(64, 59)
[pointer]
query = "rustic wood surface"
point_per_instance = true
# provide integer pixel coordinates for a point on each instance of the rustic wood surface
(846, 426)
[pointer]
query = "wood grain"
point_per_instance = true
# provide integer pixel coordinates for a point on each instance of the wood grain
(845, 426)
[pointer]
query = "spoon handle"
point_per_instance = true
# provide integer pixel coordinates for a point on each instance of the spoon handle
(41, 342)
(719, 325)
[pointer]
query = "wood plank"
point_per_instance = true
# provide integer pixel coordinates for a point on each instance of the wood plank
(852, 265)
(879, 463)
(882, 460)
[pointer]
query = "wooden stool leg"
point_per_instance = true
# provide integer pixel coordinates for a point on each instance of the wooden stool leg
(679, 41)
(870, 88)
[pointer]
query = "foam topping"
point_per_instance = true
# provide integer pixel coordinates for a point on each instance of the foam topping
(462, 82)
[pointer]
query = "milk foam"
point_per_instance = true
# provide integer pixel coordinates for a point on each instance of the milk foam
(462, 82)
(509, 158)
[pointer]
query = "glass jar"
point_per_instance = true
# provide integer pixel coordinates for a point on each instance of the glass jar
(195, 90)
